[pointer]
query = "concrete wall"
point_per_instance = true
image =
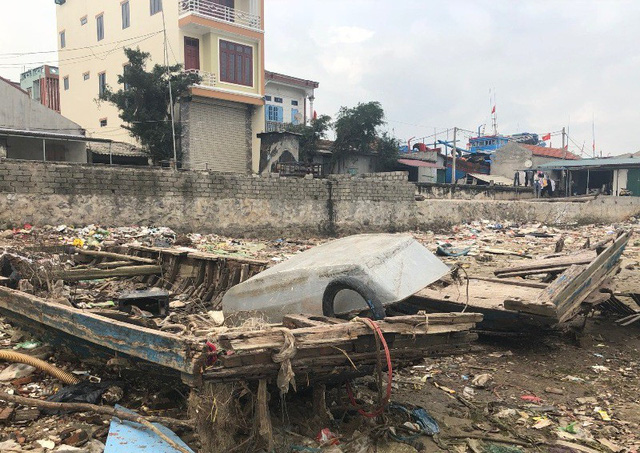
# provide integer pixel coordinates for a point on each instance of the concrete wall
(511, 158)
(473, 192)
(238, 205)
(442, 214)
(73, 194)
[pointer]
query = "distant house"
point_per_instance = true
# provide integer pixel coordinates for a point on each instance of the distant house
(289, 100)
(517, 157)
(610, 175)
(43, 85)
(423, 166)
(31, 131)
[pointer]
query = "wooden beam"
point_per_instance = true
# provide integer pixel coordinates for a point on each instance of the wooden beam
(543, 264)
(94, 274)
(114, 256)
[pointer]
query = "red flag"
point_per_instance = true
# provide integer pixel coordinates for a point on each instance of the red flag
(547, 137)
(493, 110)
(315, 115)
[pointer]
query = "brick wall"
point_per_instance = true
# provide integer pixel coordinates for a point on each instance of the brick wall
(75, 194)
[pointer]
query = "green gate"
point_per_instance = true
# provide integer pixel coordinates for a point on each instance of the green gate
(633, 181)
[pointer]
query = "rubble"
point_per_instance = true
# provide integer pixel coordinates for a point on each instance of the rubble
(578, 396)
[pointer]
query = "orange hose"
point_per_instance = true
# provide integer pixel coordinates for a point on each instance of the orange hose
(12, 356)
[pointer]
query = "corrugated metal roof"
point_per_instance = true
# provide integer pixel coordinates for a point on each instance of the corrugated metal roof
(591, 163)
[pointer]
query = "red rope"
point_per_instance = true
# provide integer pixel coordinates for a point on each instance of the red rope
(383, 404)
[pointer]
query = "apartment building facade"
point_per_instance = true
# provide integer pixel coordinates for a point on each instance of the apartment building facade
(222, 40)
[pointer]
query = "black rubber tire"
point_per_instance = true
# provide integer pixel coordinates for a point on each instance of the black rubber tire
(339, 284)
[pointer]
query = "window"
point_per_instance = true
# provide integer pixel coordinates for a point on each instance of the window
(102, 83)
(275, 113)
(83, 20)
(100, 27)
(294, 120)
(278, 100)
(103, 122)
(63, 40)
(267, 98)
(236, 63)
(86, 76)
(65, 83)
(156, 6)
(126, 15)
(294, 102)
(125, 70)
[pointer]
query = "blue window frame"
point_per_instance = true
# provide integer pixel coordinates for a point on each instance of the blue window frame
(275, 113)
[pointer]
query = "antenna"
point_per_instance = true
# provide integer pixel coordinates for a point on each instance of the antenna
(494, 114)
(593, 133)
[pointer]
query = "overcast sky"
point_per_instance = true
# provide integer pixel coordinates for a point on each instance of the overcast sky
(432, 63)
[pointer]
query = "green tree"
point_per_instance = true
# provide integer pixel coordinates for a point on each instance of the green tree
(311, 135)
(387, 148)
(358, 132)
(144, 102)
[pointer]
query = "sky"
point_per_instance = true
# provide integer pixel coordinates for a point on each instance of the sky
(433, 64)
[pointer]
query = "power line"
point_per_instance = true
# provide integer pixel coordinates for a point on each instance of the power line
(78, 59)
(21, 54)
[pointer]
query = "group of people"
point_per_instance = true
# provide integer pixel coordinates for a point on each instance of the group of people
(542, 184)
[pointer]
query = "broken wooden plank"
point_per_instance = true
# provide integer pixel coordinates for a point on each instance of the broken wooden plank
(549, 263)
(114, 264)
(164, 349)
(572, 287)
(114, 256)
(298, 321)
(514, 282)
(526, 273)
(93, 274)
(326, 335)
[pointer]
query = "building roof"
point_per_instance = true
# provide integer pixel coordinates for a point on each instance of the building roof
(556, 153)
(605, 162)
(5, 131)
(289, 80)
(16, 85)
(418, 163)
(116, 149)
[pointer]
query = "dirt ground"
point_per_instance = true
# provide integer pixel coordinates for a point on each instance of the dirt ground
(507, 394)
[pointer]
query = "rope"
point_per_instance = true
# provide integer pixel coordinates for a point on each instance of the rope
(286, 376)
(383, 401)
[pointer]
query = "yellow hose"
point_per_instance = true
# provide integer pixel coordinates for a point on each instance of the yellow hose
(12, 356)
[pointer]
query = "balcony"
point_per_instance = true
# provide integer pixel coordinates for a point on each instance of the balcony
(208, 79)
(210, 9)
(275, 126)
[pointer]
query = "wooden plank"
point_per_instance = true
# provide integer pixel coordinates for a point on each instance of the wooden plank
(572, 287)
(114, 256)
(525, 273)
(93, 274)
(514, 282)
(436, 318)
(328, 335)
(114, 264)
(214, 257)
(154, 346)
(482, 294)
(298, 321)
(540, 264)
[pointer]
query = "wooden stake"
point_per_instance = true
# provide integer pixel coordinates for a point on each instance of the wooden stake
(263, 417)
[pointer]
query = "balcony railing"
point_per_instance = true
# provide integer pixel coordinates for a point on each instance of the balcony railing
(213, 10)
(208, 79)
(276, 126)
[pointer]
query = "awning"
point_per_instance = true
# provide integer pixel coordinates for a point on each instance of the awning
(497, 180)
(50, 135)
(418, 163)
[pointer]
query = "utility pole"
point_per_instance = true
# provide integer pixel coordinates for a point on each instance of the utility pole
(563, 144)
(453, 164)
(171, 113)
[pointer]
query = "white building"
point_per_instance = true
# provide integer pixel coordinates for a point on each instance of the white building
(289, 100)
